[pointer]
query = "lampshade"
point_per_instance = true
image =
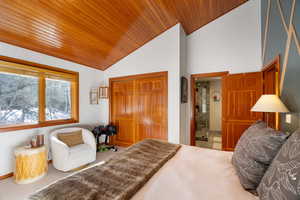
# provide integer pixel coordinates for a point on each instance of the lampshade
(269, 103)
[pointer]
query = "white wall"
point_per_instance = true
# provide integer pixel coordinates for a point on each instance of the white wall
(184, 117)
(215, 107)
(230, 43)
(160, 54)
(88, 78)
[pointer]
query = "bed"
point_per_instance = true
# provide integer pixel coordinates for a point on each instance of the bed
(185, 172)
(195, 174)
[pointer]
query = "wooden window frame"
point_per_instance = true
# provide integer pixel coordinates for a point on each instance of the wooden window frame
(14, 65)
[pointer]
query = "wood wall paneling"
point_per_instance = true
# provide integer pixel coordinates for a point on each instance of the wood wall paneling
(240, 92)
(99, 33)
(139, 107)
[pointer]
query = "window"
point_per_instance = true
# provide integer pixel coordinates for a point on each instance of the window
(33, 95)
(58, 99)
(18, 99)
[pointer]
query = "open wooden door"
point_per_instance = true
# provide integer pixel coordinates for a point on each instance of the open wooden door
(239, 92)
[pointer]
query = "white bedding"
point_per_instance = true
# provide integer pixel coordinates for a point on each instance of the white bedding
(195, 174)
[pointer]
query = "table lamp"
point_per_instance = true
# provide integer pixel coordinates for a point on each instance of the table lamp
(269, 103)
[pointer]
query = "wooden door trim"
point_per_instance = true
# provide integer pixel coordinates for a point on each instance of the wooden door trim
(138, 76)
(275, 63)
(213, 74)
(5, 176)
(135, 77)
(192, 113)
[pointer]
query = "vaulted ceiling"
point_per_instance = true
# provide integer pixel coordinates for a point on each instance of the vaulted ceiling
(98, 33)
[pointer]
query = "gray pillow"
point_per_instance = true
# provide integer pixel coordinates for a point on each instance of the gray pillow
(282, 179)
(254, 152)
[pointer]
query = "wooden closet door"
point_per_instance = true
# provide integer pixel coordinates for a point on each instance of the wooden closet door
(240, 92)
(152, 101)
(122, 111)
(139, 107)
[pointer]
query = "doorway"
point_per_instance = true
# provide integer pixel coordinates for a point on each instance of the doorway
(208, 113)
(206, 123)
(238, 95)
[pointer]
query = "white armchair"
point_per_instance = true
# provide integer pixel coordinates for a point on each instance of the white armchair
(66, 158)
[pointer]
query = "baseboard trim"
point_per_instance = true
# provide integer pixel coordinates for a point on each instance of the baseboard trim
(12, 174)
(6, 176)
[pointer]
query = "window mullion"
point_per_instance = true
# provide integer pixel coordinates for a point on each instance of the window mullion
(42, 98)
(75, 100)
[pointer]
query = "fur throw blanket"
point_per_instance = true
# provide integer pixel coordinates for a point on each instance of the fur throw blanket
(117, 179)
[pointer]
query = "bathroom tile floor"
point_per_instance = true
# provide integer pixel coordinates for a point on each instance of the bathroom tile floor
(214, 139)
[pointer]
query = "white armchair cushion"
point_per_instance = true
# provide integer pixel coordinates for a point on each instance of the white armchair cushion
(67, 158)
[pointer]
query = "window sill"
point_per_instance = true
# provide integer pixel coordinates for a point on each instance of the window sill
(39, 125)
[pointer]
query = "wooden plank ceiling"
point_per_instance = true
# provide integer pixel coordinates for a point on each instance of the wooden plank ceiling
(98, 33)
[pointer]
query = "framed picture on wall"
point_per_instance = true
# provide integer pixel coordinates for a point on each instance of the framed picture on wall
(184, 90)
(103, 92)
(94, 96)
